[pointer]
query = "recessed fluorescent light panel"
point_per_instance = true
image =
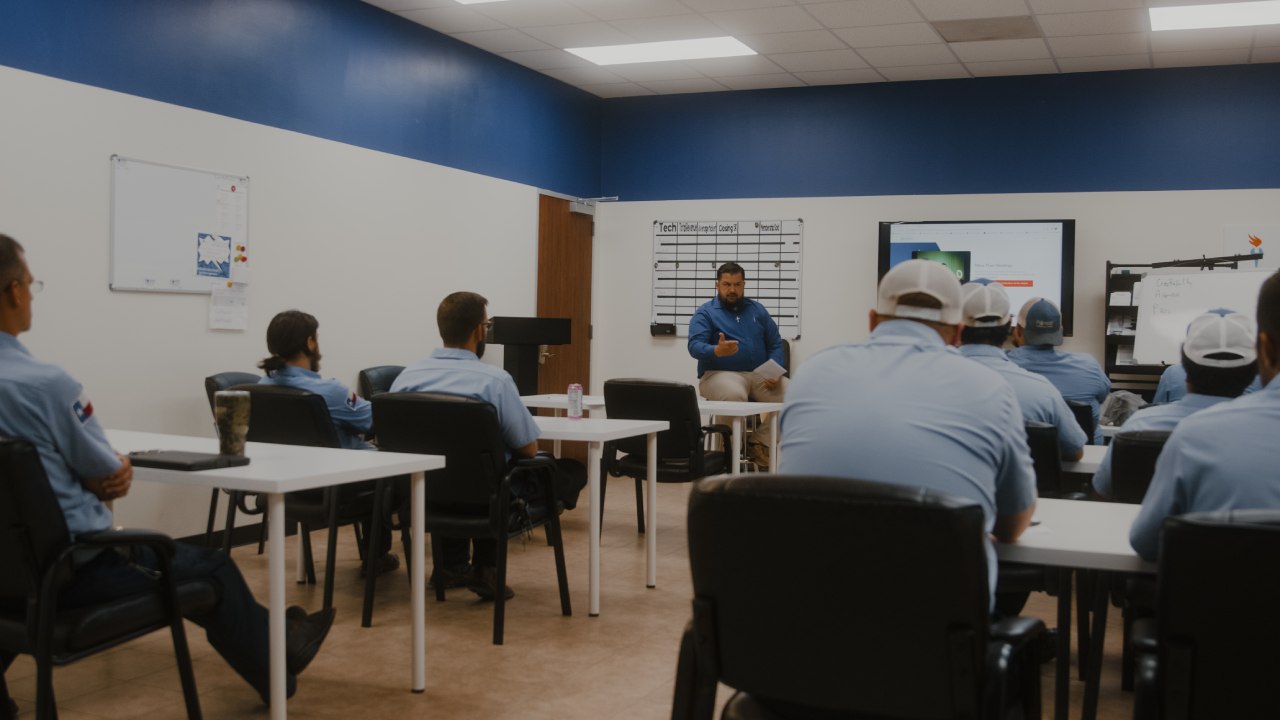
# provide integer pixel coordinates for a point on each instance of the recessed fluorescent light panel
(1195, 17)
(667, 50)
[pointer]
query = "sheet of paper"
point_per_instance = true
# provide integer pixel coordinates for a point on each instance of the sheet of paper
(770, 370)
(229, 307)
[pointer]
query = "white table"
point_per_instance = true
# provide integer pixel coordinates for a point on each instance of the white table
(1088, 464)
(278, 469)
(739, 411)
(1079, 535)
(595, 432)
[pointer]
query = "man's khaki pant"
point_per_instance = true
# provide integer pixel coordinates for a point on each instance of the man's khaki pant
(741, 387)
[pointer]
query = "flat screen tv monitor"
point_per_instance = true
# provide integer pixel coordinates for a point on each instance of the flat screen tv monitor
(1030, 258)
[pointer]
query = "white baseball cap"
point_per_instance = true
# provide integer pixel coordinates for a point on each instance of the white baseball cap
(986, 304)
(1223, 333)
(925, 277)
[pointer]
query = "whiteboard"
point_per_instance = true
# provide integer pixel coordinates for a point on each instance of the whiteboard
(176, 229)
(686, 254)
(1171, 299)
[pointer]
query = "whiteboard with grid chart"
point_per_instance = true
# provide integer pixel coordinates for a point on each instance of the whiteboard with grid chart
(686, 254)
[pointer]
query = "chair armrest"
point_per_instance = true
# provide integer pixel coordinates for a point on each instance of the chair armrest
(1146, 698)
(694, 697)
(1017, 631)
(722, 430)
(157, 541)
(539, 461)
(1012, 658)
(1143, 641)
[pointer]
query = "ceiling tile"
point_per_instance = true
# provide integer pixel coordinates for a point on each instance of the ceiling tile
(822, 60)
(969, 9)
(670, 27)
(1265, 55)
(580, 35)
(1089, 45)
(754, 22)
(617, 90)
(584, 75)
(748, 65)
(1012, 67)
(1234, 56)
(897, 56)
(925, 72)
(1104, 62)
(1266, 36)
(760, 82)
(994, 50)
(453, 19)
(500, 41)
(691, 85)
(1094, 23)
(885, 35)
(531, 13)
(858, 13)
(1070, 6)
(810, 40)
(547, 59)
(840, 77)
(629, 9)
(647, 72)
(1209, 39)
(710, 6)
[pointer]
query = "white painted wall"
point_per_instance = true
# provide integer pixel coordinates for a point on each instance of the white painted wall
(367, 242)
(840, 256)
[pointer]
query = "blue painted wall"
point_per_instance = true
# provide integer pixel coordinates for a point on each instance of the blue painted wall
(1178, 129)
(336, 69)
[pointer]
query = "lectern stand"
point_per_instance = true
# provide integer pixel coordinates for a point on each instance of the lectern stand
(523, 339)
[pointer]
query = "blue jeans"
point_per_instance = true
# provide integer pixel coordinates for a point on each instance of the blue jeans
(236, 626)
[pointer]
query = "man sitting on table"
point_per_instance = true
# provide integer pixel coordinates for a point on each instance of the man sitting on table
(1224, 457)
(1076, 375)
(456, 369)
(42, 404)
(1219, 361)
(907, 409)
(730, 336)
(986, 327)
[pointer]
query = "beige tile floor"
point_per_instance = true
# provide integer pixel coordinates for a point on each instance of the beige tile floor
(621, 664)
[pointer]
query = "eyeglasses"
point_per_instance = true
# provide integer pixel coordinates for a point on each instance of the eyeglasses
(35, 286)
(488, 324)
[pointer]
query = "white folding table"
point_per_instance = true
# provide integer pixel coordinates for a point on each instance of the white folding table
(278, 469)
(1088, 464)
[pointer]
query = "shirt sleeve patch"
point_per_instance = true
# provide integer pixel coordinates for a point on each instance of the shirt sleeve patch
(82, 408)
(352, 399)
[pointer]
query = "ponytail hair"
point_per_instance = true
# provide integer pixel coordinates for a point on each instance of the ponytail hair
(287, 338)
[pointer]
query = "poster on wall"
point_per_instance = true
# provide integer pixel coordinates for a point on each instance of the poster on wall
(1257, 239)
(686, 254)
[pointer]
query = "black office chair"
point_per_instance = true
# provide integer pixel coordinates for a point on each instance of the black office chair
(1214, 630)
(1083, 413)
(377, 379)
(1046, 456)
(899, 629)
(471, 496)
(289, 416)
(36, 563)
(236, 499)
(1133, 463)
(682, 453)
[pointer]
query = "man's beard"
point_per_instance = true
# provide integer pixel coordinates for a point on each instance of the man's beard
(315, 360)
(731, 304)
(480, 349)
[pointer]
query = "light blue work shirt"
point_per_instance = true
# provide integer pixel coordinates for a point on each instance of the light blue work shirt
(454, 371)
(1173, 385)
(42, 404)
(352, 415)
(1154, 417)
(1039, 399)
(756, 332)
(1076, 375)
(906, 409)
(1222, 458)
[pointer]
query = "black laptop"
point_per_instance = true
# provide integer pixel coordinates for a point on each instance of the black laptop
(182, 460)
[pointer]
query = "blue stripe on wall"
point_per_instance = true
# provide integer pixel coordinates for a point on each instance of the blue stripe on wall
(336, 69)
(1193, 128)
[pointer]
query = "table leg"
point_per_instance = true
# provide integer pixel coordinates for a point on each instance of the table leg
(1093, 669)
(651, 509)
(301, 572)
(773, 443)
(1062, 671)
(275, 605)
(593, 553)
(418, 578)
(735, 461)
(555, 444)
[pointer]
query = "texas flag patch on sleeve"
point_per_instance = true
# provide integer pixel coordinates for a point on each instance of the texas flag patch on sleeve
(82, 408)
(352, 399)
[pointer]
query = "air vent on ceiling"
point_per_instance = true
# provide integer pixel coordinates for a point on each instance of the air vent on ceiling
(1019, 27)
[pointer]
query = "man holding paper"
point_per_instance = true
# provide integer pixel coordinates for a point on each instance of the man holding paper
(739, 352)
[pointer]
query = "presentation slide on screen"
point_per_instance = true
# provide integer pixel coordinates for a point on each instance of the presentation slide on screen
(1026, 258)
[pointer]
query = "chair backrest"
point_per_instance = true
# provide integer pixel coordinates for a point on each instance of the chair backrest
(34, 529)
(1042, 438)
(377, 379)
(1084, 417)
(677, 403)
(786, 355)
(288, 416)
(1133, 463)
(226, 381)
(1218, 591)
(893, 618)
(464, 430)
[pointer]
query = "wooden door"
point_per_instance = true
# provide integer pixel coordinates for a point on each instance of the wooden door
(564, 290)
